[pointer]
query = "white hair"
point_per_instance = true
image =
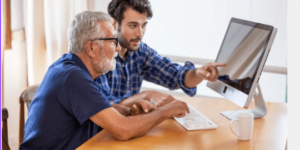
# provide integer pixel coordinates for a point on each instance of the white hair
(85, 27)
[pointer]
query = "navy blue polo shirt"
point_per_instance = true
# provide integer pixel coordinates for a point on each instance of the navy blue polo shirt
(58, 117)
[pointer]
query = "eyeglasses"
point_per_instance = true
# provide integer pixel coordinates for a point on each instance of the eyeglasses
(116, 40)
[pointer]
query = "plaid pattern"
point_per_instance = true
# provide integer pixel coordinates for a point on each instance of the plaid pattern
(143, 64)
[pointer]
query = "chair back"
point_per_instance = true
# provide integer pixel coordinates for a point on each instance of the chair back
(25, 98)
(5, 145)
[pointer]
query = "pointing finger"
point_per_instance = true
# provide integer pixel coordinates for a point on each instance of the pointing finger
(218, 64)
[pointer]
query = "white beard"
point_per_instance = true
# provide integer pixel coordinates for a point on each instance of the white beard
(105, 64)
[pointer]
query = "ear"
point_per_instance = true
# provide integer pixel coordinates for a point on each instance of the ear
(115, 24)
(89, 49)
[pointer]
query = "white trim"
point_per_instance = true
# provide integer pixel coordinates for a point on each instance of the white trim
(201, 61)
(174, 93)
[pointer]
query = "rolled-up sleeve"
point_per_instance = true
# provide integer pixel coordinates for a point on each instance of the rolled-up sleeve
(162, 71)
(181, 76)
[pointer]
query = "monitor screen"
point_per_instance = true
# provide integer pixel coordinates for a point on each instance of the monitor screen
(245, 49)
(242, 49)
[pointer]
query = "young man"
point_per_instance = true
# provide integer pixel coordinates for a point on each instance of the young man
(137, 61)
(68, 108)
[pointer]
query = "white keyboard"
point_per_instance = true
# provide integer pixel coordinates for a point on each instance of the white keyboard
(195, 120)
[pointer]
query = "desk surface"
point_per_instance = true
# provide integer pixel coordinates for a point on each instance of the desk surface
(269, 132)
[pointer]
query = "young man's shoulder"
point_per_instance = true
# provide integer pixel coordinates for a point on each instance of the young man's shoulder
(145, 49)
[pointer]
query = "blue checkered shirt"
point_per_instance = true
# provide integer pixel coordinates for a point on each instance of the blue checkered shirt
(143, 64)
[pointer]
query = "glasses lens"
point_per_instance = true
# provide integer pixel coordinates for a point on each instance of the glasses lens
(117, 41)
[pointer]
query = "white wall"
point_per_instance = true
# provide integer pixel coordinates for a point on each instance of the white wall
(293, 35)
(195, 28)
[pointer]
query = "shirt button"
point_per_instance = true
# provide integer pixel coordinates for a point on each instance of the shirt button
(127, 82)
(123, 65)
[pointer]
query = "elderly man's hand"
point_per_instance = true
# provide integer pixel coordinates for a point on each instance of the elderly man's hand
(141, 107)
(158, 98)
(175, 109)
(210, 71)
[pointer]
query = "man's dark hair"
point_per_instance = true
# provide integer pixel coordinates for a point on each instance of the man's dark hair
(116, 8)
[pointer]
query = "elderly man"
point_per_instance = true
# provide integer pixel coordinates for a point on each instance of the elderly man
(69, 107)
(137, 61)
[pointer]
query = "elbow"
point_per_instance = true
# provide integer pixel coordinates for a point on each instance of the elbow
(122, 135)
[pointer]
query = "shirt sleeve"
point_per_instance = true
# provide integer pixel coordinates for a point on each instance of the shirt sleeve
(82, 97)
(162, 71)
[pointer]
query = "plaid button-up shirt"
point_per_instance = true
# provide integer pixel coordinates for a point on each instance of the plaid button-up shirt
(143, 64)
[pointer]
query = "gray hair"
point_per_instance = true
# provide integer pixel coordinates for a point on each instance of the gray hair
(83, 28)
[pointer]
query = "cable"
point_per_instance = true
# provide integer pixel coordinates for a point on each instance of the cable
(227, 115)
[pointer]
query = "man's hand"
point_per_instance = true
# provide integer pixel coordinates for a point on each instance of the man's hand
(125, 128)
(175, 108)
(141, 107)
(209, 71)
(158, 99)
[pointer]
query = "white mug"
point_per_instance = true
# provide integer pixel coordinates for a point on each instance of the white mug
(244, 125)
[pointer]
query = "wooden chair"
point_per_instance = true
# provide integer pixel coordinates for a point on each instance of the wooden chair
(25, 97)
(5, 145)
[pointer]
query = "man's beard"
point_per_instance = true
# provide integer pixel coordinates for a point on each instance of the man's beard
(105, 65)
(126, 44)
(109, 65)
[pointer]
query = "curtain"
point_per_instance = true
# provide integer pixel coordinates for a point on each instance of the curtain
(5, 36)
(46, 24)
(6, 32)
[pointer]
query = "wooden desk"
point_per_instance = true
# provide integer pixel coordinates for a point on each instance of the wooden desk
(269, 132)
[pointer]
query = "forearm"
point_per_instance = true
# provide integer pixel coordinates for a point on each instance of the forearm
(124, 128)
(133, 99)
(191, 79)
(143, 123)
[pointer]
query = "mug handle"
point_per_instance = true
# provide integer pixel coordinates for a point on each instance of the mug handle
(231, 126)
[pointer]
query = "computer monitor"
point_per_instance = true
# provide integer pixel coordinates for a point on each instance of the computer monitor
(245, 48)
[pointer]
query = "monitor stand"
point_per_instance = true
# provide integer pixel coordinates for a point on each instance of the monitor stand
(258, 111)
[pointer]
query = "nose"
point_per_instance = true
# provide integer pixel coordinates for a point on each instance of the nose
(140, 32)
(118, 48)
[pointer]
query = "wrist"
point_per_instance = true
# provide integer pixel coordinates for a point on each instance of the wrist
(145, 95)
(192, 79)
(165, 112)
(200, 76)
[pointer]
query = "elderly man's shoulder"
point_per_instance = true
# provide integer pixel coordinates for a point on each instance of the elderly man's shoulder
(68, 66)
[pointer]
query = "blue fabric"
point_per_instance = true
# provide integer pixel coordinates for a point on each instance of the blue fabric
(58, 117)
(144, 64)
